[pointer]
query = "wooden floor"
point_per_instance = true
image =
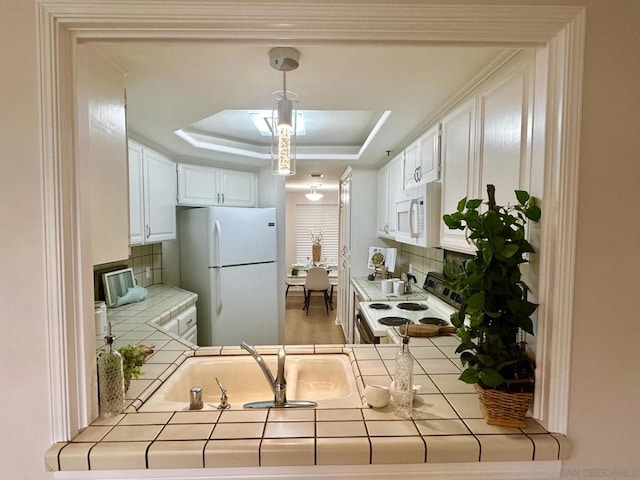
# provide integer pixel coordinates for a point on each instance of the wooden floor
(317, 328)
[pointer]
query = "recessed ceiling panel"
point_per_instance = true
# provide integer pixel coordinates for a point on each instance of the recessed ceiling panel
(322, 128)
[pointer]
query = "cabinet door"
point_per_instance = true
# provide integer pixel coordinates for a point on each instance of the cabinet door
(411, 162)
(458, 144)
(343, 313)
(160, 197)
(345, 216)
(428, 166)
(136, 195)
(237, 189)
(395, 186)
(102, 147)
(383, 201)
(504, 109)
(197, 185)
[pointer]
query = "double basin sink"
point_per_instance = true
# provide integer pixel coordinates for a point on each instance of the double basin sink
(327, 379)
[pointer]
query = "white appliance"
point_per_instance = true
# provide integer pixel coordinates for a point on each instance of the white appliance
(375, 318)
(228, 256)
(418, 215)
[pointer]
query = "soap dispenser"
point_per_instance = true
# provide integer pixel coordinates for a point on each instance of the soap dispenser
(110, 378)
(402, 389)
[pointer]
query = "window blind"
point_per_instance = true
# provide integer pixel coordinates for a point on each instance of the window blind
(316, 217)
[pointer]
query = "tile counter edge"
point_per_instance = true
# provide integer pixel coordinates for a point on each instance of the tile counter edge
(416, 442)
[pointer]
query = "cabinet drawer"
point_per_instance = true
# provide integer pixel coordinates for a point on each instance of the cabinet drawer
(171, 326)
(187, 320)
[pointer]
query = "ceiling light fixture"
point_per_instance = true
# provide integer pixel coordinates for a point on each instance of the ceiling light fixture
(283, 139)
(313, 195)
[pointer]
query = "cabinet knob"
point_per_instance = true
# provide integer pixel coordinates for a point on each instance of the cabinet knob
(148, 231)
(419, 173)
(218, 198)
(223, 198)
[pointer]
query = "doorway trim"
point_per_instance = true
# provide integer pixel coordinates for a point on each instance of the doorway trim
(61, 25)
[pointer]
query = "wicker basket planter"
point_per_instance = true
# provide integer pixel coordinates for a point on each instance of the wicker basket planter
(504, 409)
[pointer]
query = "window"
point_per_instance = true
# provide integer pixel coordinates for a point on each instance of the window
(317, 217)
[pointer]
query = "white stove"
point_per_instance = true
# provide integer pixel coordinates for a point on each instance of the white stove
(374, 318)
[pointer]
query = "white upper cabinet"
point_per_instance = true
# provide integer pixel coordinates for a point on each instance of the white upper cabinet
(458, 144)
(199, 185)
(422, 159)
(487, 140)
(390, 181)
(411, 161)
(395, 185)
(383, 201)
(504, 149)
(237, 188)
(102, 154)
(136, 189)
(152, 196)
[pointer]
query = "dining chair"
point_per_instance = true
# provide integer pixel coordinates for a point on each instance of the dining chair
(292, 281)
(317, 281)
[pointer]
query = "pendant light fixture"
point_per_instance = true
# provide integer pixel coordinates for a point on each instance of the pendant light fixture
(283, 120)
(313, 195)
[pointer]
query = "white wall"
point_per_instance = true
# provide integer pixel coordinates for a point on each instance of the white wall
(603, 421)
(24, 403)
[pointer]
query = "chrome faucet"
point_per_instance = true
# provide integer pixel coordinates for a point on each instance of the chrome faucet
(278, 385)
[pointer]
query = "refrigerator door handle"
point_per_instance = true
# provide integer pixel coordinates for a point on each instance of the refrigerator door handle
(216, 243)
(218, 292)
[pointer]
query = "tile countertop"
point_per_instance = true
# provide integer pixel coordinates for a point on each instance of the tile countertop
(141, 323)
(446, 426)
(371, 291)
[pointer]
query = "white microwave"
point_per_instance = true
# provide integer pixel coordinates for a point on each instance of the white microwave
(418, 215)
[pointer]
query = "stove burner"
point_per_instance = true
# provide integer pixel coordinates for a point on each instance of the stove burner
(394, 321)
(413, 307)
(380, 306)
(433, 321)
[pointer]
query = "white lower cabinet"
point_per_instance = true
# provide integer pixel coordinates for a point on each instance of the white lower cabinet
(200, 186)
(171, 326)
(191, 336)
(184, 325)
(152, 196)
(187, 320)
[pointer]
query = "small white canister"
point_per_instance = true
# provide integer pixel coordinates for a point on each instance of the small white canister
(387, 286)
(398, 287)
(100, 317)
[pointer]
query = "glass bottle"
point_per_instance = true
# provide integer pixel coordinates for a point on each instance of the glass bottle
(402, 391)
(110, 379)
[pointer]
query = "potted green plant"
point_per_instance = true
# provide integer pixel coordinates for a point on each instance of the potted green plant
(495, 310)
(133, 357)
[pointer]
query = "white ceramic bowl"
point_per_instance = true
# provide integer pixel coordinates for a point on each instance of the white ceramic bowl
(377, 396)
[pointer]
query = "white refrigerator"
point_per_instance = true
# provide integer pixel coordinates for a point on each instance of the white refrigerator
(228, 256)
